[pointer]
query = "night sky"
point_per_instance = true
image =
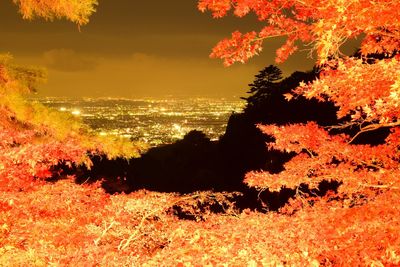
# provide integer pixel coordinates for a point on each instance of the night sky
(136, 49)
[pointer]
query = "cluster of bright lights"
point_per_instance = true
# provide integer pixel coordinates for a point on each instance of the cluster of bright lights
(151, 121)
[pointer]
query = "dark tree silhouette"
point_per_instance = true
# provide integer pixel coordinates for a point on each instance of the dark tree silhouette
(264, 81)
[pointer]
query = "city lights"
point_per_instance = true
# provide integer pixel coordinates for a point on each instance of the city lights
(152, 121)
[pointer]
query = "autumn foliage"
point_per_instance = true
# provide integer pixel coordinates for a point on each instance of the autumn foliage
(366, 91)
(65, 224)
(35, 138)
(75, 11)
(324, 25)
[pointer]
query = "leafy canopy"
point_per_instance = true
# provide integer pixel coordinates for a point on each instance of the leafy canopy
(324, 25)
(77, 11)
(366, 91)
(34, 138)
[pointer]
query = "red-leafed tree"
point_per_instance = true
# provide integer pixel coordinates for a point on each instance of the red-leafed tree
(34, 138)
(366, 91)
(325, 25)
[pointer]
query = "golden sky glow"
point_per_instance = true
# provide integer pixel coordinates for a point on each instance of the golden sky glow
(136, 49)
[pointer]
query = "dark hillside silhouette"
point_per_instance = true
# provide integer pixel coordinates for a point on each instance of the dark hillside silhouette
(188, 165)
(195, 163)
(244, 144)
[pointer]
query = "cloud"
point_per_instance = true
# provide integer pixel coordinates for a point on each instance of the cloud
(152, 75)
(67, 60)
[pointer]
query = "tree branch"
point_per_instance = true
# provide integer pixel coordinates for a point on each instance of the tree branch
(373, 127)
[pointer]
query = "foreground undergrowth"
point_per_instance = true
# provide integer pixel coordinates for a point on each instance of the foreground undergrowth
(62, 223)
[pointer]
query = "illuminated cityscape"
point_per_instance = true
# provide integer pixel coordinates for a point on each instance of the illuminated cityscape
(149, 120)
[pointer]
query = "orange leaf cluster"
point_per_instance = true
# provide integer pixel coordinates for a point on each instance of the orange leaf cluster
(325, 24)
(34, 138)
(321, 156)
(75, 11)
(23, 156)
(238, 48)
(29, 146)
(368, 92)
(74, 225)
